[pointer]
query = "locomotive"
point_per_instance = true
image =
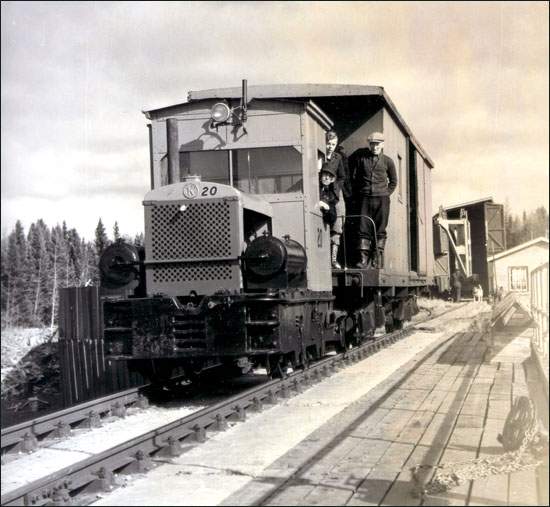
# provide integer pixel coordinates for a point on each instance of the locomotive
(235, 269)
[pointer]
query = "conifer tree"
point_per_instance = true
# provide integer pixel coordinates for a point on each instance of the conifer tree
(101, 240)
(116, 232)
(75, 254)
(3, 279)
(138, 240)
(18, 305)
(38, 264)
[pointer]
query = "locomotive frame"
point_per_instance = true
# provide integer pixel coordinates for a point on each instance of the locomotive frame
(236, 266)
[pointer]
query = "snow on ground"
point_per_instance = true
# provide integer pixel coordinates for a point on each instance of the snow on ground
(84, 443)
(208, 473)
(17, 342)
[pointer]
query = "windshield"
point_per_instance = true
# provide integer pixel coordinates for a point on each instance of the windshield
(271, 170)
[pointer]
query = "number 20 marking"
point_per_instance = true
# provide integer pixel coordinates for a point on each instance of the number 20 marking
(209, 191)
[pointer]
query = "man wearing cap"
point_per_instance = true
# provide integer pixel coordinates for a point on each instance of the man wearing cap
(373, 179)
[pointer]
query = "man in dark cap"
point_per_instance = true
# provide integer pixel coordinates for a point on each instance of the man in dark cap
(373, 179)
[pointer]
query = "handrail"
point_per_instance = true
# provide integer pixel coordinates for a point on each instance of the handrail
(539, 309)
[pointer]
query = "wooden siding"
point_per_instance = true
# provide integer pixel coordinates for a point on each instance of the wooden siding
(396, 255)
(85, 372)
(317, 235)
(421, 220)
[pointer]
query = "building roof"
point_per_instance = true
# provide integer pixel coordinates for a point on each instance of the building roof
(527, 244)
(470, 203)
(308, 91)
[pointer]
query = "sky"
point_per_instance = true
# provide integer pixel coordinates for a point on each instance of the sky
(469, 78)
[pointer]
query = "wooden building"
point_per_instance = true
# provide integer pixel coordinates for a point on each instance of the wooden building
(487, 234)
(511, 269)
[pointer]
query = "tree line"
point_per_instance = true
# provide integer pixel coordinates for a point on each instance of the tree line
(525, 227)
(35, 265)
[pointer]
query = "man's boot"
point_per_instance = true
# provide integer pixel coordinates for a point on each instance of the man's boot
(364, 252)
(334, 256)
(380, 245)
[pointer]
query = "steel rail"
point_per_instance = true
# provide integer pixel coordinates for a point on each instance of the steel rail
(95, 474)
(26, 435)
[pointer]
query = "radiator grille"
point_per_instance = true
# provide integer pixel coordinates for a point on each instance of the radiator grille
(187, 272)
(202, 230)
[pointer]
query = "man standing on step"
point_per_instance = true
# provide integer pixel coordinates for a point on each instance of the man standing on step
(374, 179)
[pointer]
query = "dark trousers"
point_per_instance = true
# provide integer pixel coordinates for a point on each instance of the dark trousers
(458, 290)
(378, 209)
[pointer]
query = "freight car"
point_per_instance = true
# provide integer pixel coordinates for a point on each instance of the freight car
(235, 271)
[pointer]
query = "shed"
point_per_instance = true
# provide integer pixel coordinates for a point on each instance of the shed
(487, 233)
(511, 269)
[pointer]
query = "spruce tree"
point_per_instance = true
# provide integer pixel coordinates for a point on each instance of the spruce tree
(19, 310)
(38, 264)
(139, 240)
(116, 232)
(101, 240)
(4, 279)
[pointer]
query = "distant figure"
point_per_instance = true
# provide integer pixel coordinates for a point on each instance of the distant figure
(457, 284)
(478, 293)
(500, 293)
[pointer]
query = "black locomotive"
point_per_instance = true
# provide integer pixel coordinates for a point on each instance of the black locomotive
(236, 266)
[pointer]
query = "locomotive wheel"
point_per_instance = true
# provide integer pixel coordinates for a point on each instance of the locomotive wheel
(274, 367)
(397, 324)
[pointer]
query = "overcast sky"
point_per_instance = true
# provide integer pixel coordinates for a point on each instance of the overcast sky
(470, 79)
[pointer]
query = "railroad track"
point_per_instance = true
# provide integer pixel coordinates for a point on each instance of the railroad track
(25, 437)
(95, 474)
(28, 435)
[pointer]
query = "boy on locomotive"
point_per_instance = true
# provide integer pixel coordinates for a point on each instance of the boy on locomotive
(331, 205)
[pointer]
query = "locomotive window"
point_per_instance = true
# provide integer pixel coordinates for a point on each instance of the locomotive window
(211, 165)
(272, 170)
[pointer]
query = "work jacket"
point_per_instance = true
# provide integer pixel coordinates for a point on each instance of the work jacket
(338, 165)
(372, 175)
(329, 195)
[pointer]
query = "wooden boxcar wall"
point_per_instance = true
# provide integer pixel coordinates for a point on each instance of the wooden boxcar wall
(317, 234)
(395, 146)
(396, 255)
(85, 373)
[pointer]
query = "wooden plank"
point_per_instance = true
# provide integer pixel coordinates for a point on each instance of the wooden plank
(369, 422)
(293, 494)
(367, 452)
(320, 469)
(491, 490)
(523, 488)
(402, 491)
(395, 456)
(391, 425)
(323, 495)
(415, 428)
(374, 487)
